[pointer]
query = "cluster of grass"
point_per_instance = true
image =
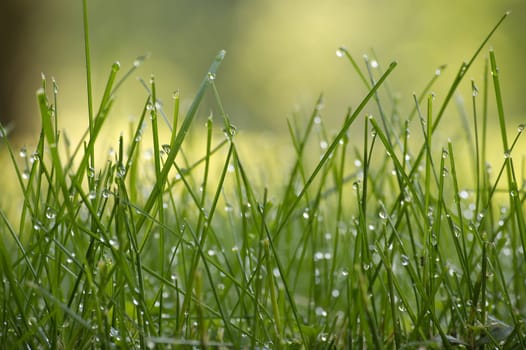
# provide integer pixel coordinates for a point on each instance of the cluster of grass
(382, 244)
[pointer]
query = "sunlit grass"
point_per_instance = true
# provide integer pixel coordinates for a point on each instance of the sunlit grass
(178, 236)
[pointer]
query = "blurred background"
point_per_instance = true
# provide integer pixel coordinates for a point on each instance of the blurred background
(280, 54)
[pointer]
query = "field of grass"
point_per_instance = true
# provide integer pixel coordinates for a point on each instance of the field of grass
(158, 243)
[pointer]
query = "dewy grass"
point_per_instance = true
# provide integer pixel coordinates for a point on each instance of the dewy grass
(382, 243)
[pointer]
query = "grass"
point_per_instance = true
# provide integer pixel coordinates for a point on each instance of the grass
(382, 243)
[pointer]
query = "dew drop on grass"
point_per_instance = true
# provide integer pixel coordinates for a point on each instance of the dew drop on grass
(507, 155)
(50, 213)
(405, 260)
(35, 157)
(230, 131)
(320, 312)
(340, 52)
(114, 243)
(25, 174)
(23, 152)
(91, 172)
(92, 195)
(166, 148)
(317, 119)
(324, 144)
(106, 193)
(445, 153)
(121, 171)
(521, 127)
(211, 76)
(475, 91)
(374, 64)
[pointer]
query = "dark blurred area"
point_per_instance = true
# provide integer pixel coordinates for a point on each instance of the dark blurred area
(15, 27)
(280, 54)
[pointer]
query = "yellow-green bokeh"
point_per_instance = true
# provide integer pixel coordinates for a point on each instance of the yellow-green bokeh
(280, 54)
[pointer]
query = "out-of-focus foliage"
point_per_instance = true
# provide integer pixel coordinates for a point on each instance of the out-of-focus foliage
(280, 54)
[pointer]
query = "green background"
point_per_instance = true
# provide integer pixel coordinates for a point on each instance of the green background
(280, 54)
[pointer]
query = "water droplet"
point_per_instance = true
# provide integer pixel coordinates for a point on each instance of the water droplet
(445, 153)
(220, 55)
(463, 194)
(405, 260)
(138, 61)
(50, 213)
(357, 163)
(366, 267)
(374, 64)
(121, 171)
(106, 193)
(306, 213)
(383, 215)
(35, 157)
(211, 252)
(23, 152)
(211, 76)
(335, 293)
(166, 148)
(92, 195)
(91, 172)
(513, 193)
(320, 312)
(230, 131)
(340, 52)
(324, 144)
(317, 119)
(445, 172)
(114, 243)
(507, 155)
(475, 90)
(318, 256)
(521, 127)
(438, 71)
(135, 302)
(116, 66)
(25, 174)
